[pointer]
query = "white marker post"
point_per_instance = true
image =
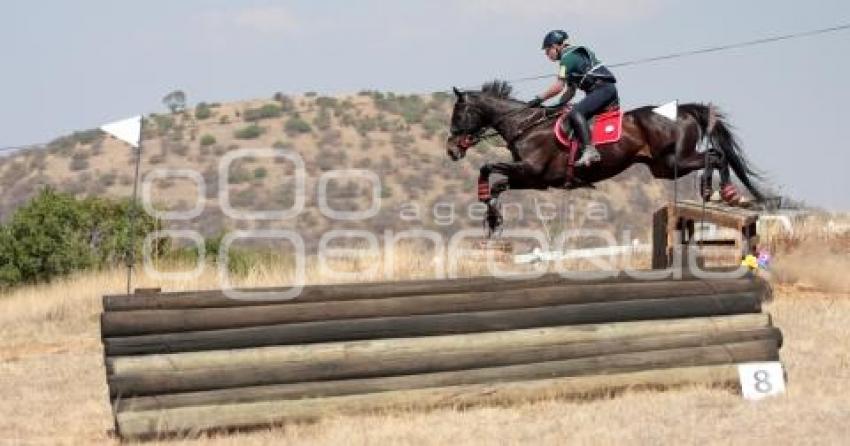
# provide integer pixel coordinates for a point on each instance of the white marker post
(130, 131)
(670, 111)
(761, 379)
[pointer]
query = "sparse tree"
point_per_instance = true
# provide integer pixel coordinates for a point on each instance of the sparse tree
(175, 101)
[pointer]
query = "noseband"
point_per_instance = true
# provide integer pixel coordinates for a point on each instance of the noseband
(466, 141)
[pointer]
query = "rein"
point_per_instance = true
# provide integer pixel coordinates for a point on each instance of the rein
(469, 140)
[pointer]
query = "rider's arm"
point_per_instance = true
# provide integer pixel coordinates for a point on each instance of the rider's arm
(567, 96)
(553, 90)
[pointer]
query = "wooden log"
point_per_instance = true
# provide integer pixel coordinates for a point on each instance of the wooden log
(616, 363)
(190, 419)
(139, 322)
(352, 291)
(377, 349)
(453, 323)
(390, 363)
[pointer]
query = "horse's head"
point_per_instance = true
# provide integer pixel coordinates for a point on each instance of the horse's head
(467, 125)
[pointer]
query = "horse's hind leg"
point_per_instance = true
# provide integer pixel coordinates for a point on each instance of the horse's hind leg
(714, 160)
(707, 183)
(680, 157)
(728, 192)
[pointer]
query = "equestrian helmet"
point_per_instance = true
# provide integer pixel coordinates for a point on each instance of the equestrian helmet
(555, 37)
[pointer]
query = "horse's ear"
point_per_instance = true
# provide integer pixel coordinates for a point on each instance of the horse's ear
(459, 94)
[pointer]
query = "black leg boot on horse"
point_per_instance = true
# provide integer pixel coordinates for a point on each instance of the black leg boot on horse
(488, 193)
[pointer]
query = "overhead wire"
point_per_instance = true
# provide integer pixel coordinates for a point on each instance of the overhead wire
(646, 60)
(712, 49)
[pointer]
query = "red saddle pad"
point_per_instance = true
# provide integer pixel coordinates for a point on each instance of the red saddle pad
(607, 128)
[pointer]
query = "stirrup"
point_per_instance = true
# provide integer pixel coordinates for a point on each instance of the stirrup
(589, 156)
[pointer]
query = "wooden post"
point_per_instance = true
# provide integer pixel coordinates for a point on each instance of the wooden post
(660, 233)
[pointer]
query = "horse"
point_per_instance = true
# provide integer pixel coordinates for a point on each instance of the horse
(539, 161)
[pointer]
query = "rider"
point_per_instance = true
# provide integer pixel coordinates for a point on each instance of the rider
(579, 69)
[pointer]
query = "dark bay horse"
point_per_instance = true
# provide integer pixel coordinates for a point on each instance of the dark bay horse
(667, 147)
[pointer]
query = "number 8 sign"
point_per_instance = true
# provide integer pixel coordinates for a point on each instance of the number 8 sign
(761, 379)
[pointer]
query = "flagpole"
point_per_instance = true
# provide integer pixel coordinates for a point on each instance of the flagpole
(131, 257)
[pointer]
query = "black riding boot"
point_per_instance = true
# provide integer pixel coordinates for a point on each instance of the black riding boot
(589, 153)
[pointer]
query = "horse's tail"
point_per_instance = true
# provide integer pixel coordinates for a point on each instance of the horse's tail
(723, 138)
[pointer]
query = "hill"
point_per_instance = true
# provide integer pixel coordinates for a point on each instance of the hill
(398, 137)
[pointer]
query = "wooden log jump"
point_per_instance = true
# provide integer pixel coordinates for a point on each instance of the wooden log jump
(191, 361)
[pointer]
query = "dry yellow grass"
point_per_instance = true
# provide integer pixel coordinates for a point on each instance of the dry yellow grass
(53, 390)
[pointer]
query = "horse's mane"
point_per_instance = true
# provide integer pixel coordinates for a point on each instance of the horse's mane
(498, 89)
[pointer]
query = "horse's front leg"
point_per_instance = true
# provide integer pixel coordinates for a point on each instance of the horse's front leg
(491, 187)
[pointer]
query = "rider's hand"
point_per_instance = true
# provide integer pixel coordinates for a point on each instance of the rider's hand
(536, 102)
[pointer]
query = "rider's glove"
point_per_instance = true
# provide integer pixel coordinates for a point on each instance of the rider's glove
(536, 102)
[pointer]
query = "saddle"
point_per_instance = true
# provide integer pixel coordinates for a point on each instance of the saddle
(606, 128)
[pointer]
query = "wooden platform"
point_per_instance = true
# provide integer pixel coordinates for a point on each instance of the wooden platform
(676, 225)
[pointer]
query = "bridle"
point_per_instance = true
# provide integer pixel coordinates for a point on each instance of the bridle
(468, 139)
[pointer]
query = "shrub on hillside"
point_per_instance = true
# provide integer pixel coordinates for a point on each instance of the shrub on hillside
(323, 119)
(287, 105)
(251, 132)
(108, 179)
(295, 126)
(64, 145)
(327, 102)
(55, 234)
(163, 123)
(265, 112)
(80, 161)
(238, 174)
(366, 125)
(86, 137)
(346, 119)
(202, 111)
(207, 140)
(412, 108)
(434, 124)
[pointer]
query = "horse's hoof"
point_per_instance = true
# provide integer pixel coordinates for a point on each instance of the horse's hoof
(493, 224)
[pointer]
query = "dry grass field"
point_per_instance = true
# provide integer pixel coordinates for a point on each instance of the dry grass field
(53, 390)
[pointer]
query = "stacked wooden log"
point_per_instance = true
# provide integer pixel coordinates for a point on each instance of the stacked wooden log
(191, 361)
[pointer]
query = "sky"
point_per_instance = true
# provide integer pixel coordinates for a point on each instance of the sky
(74, 65)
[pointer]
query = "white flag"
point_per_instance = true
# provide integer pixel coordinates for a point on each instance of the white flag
(669, 110)
(127, 130)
